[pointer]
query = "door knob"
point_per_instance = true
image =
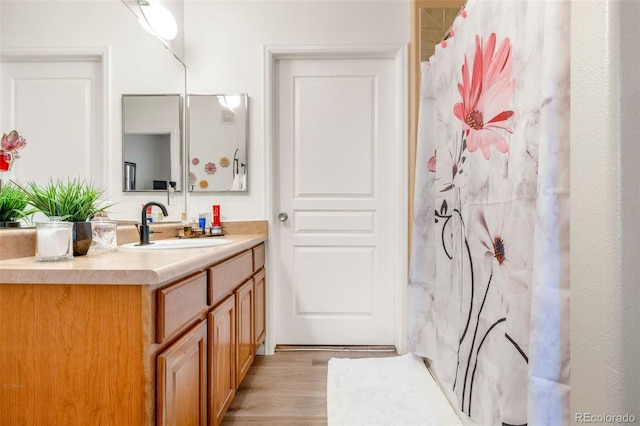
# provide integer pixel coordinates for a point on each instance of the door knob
(283, 216)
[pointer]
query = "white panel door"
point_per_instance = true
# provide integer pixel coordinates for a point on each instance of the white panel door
(57, 107)
(334, 278)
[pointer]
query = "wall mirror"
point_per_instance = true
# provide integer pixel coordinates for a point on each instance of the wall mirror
(217, 129)
(151, 142)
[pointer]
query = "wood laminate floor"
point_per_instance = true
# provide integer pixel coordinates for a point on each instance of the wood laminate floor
(289, 388)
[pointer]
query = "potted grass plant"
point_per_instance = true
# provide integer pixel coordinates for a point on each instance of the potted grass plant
(13, 202)
(72, 200)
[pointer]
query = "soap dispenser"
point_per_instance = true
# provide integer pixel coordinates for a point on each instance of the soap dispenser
(185, 227)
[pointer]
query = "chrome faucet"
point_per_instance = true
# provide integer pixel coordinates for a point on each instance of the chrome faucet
(144, 226)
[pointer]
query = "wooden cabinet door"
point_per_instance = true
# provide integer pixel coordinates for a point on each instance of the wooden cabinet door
(222, 358)
(182, 380)
(259, 294)
(244, 315)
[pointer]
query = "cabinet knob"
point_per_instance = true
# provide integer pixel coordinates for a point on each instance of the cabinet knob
(282, 216)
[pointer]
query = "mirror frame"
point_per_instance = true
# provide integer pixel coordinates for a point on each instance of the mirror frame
(242, 162)
(180, 161)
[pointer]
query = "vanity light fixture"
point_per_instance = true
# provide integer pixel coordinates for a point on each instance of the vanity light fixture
(157, 20)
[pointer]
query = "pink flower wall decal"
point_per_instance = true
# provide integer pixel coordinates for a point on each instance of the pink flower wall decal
(485, 97)
(210, 168)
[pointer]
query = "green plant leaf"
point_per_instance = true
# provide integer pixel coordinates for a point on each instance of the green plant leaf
(12, 203)
(72, 200)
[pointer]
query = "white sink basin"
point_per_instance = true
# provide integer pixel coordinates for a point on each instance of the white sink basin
(179, 244)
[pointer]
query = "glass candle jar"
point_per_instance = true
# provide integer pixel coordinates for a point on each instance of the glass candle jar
(104, 235)
(54, 240)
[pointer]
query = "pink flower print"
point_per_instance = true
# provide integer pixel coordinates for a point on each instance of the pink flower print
(210, 168)
(450, 173)
(495, 236)
(192, 178)
(486, 96)
(463, 13)
(431, 165)
(195, 161)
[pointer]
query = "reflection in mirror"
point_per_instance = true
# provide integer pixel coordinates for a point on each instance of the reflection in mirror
(151, 149)
(217, 142)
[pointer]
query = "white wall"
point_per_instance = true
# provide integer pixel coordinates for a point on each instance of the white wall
(605, 231)
(224, 54)
(138, 63)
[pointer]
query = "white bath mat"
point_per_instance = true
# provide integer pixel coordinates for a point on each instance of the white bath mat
(395, 391)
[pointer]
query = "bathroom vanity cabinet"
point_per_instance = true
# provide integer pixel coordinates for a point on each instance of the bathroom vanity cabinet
(166, 353)
(214, 355)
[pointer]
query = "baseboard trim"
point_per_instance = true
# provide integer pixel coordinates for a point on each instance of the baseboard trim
(336, 348)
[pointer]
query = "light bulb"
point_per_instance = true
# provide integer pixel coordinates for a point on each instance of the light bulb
(158, 20)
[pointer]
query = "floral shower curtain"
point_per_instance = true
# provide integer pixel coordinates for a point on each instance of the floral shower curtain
(489, 276)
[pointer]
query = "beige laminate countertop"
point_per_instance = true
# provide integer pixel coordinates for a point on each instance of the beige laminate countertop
(125, 266)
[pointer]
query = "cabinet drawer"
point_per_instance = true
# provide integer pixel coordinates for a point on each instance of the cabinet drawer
(258, 257)
(226, 276)
(179, 304)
